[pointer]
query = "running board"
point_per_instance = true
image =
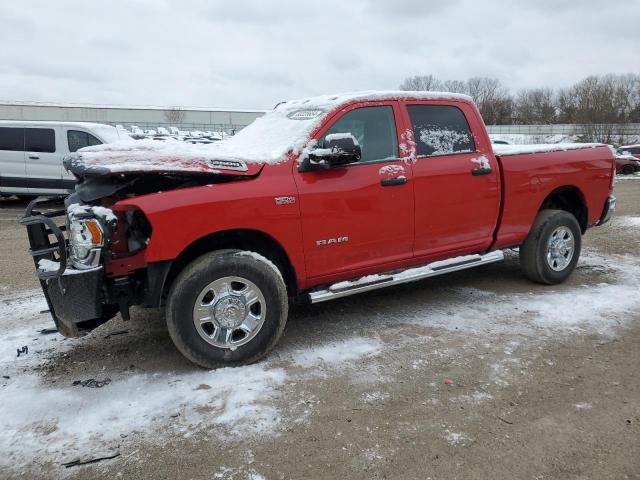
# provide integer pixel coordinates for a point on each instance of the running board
(374, 282)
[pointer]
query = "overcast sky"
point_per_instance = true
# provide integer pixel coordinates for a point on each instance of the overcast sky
(252, 54)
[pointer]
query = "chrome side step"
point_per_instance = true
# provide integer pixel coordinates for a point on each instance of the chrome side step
(374, 282)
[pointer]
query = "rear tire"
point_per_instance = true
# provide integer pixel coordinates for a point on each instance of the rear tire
(227, 308)
(628, 170)
(550, 252)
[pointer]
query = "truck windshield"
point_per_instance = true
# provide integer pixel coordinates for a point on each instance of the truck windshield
(270, 137)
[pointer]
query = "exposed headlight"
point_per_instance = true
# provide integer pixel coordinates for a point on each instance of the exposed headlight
(86, 240)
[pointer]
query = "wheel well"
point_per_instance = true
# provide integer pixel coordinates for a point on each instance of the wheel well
(571, 200)
(251, 240)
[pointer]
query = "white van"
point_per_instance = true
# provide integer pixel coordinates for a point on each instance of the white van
(31, 154)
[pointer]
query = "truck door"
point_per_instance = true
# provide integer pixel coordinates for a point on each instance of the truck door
(12, 165)
(43, 160)
(361, 214)
(457, 189)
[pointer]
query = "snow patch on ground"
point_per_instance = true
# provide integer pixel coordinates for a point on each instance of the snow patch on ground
(633, 222)
(44, 421)
(634, 176)
(583, 406)
(596, 308)
(457, 439)
(335, 353)
(474, 398)
(62, 421)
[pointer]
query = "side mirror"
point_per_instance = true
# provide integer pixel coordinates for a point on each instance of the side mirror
(338, 149)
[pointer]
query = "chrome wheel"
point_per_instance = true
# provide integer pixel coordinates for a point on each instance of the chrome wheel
(229, 312)
(560, 249)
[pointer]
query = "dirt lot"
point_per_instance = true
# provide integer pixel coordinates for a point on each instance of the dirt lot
(478, 375)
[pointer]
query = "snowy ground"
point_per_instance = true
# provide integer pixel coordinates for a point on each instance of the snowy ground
(368, 386)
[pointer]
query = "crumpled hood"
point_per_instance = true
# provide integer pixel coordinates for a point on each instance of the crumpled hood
(153, 156)
(135, 168)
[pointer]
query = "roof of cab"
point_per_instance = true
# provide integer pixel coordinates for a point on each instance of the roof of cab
(326, 102)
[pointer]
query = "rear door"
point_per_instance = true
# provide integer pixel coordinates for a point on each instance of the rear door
(43, 158)
(360, 215)
(457, 197)
(12, 164)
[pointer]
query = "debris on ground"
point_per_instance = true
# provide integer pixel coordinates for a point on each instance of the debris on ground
(508, 422)
(92, 383)
(447, 381)
(22, 351)
(48, 331)
(85, 461)
(117, 332)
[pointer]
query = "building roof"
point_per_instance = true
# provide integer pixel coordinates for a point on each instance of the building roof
(27, 103)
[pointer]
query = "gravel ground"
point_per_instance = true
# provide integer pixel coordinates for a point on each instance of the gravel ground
(479, 374)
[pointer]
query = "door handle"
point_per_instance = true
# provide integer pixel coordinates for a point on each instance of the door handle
(481, 171)
(34, 157)
(390, 182)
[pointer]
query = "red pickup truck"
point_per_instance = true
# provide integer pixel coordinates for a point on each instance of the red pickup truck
(318, 199)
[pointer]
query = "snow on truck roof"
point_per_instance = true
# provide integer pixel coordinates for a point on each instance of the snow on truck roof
(268, 139)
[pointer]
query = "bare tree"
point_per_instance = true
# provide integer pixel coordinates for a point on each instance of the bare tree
(535, 107)
(426, 83)
(493, 99)
(491, 96)
(599, 102)
(174, 115)
(455, 86)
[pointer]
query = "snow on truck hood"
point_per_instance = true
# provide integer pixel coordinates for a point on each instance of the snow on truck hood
(154, 156)
(268, 140)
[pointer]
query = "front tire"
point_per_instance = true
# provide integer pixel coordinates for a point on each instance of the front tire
(227, 308)
(628, 170)
(550, 252)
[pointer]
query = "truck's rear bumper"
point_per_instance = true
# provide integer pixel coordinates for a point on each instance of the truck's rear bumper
(608, 211)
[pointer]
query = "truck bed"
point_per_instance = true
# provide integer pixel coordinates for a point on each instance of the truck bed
(532, 173)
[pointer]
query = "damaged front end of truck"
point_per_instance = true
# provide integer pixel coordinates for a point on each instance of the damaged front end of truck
(89, 253)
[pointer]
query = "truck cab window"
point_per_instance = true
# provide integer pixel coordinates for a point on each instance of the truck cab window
(375, 130)
(42, 140)
(440, 130)
(77, 140)
(12, 139)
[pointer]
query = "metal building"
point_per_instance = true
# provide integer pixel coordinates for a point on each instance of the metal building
(145, 117)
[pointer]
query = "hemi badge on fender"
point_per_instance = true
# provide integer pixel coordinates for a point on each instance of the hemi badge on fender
(284, 200)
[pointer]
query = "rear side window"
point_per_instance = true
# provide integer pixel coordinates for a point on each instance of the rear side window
(12, 139)
(440, 130)
(77, 140)
(40, 140)
(375, 130)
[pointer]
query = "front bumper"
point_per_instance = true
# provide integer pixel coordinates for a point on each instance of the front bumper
(75, 297)
(608, 211)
